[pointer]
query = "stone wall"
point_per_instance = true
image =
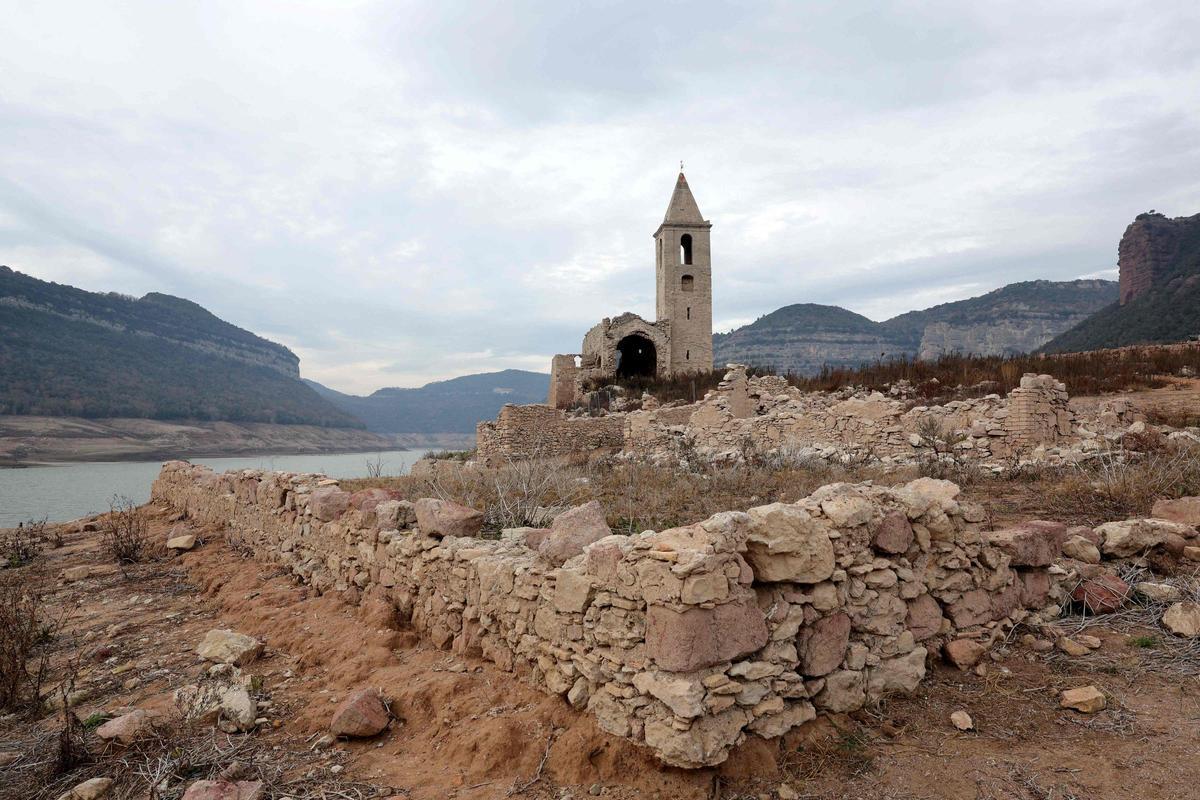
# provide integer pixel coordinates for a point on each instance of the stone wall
(685, 641)
(522, 432)
(765, 414)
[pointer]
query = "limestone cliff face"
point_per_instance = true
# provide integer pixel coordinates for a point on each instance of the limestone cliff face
(1148, 249)
(1017, 318)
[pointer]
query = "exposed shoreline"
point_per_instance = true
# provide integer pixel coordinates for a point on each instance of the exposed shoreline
(27, 441)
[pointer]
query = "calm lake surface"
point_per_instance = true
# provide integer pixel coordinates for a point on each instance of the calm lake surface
(61, 492)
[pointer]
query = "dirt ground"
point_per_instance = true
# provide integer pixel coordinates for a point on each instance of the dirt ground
(465, 729)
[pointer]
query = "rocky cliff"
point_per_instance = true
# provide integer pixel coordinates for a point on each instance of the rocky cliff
(1149, 250)
(1160, 289)
(1017, 318)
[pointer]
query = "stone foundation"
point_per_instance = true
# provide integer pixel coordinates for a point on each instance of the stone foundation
(764, 415)
(685, 641)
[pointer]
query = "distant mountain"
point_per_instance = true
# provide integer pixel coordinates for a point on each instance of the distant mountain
(1159, 260)
(451, 406)
(1017, 318)
(68, 352)
(802, 338)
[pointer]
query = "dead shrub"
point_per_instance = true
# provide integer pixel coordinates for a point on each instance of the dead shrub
(21, 545)
(27, 629)
(125, 533)
(516, 494)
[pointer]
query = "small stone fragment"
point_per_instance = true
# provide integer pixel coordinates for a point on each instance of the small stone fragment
(185, 542)
(964, 653)
(962, 720)
(1072, 647)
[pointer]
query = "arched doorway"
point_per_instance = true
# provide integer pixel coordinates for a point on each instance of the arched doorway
(636, 355)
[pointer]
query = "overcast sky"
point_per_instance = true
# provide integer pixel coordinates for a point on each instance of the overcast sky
(407, 191)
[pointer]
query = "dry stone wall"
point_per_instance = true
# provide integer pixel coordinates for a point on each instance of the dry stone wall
(685, 641)
(523, 432)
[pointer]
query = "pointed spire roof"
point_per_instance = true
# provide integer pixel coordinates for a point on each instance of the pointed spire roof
(683, 208)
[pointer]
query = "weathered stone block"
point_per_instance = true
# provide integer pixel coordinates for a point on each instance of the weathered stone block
(701, 637)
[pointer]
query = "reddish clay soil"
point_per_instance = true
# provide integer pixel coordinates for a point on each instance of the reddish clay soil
(464, 729)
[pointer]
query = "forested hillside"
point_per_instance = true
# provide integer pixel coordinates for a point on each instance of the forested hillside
(68, 352)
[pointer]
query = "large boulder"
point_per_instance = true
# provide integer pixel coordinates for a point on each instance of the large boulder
(1185, 510)
(1133, 537)
(682, 641)
(1031, 544)
(573, 530)
(786, 543)
(229, 647)
(361, 714)
(440, 518)
(328, 503)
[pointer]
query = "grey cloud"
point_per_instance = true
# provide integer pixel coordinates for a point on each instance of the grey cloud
(406, 191)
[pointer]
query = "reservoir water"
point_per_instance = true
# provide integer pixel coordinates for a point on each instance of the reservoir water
(60, 492)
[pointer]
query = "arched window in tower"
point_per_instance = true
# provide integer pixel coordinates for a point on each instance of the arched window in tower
(685, 249)
(687, 283)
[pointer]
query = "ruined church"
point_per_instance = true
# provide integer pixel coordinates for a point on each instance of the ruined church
(680, 339)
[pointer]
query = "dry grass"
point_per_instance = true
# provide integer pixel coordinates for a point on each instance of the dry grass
(1122, 484)
(637, 496)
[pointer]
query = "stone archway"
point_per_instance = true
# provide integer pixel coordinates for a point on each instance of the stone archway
(636, 355)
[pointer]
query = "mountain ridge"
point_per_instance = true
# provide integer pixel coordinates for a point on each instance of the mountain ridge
(454, 405)
(1019, 317)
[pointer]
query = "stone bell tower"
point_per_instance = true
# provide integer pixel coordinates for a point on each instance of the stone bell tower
(683, 267)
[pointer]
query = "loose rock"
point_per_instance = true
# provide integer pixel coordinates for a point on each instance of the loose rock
(1183, 619)
(92, 789)
(1087, 699)
(962, 720)
(229, 647)
(126, 729)
(361, 714)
